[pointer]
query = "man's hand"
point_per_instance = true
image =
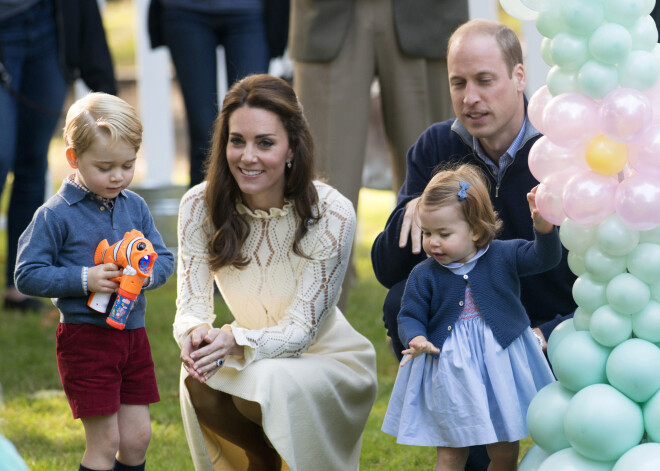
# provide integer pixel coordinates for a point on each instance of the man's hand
(410, 227)
(418, 345)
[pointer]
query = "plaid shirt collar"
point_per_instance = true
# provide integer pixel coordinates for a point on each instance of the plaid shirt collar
(507, 158)
(109, 203)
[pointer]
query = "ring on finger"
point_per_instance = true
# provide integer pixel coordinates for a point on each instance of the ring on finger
(219, 363)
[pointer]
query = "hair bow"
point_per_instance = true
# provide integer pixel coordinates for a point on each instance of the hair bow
(461, 193)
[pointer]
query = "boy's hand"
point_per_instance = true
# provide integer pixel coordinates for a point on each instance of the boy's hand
(418, 345)
(541, 225)
(98, 278)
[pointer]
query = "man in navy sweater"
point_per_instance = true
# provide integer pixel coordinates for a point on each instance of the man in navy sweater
(492, 132)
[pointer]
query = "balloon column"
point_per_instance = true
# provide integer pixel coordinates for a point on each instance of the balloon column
(598, 165)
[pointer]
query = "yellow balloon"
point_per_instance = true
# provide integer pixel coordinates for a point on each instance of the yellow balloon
(606, 156)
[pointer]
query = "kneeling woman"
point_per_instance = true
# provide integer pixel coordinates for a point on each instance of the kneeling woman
(289, 383)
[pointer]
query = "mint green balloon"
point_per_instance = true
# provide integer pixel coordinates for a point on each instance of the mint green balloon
(610, 43)
(603, 266)
(596, 79)
(570, 460)
(545, 417)
(652, 236)
(640, 70)
(644, 457)
(632, 368)
(651, 411)
(583, 16)
(559, 333)
(546, 54)
(581, 318)
(602, 423)
(615, 237)
(644, 262)
(569, 51)
(577, 237)
(589, 293)
(576, 263)
(627, 293)
(646, 323)
(609, 327)
(655, 290)
(550, 22)
(624, 12)
(560, 81)
(533, 459)
(579, 361)
(644, 34)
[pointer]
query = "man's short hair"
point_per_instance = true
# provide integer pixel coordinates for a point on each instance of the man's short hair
(504, 36)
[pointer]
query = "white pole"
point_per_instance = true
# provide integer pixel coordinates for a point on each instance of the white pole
(154, 91)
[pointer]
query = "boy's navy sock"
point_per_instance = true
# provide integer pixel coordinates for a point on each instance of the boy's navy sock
(82, 468)
(124, 467)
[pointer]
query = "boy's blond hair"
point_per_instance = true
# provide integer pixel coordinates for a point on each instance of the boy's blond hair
(476, 205)
(100, 112)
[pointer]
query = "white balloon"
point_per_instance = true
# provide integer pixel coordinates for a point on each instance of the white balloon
(516, 9)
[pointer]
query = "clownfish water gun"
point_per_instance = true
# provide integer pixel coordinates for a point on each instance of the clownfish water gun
(135, 255)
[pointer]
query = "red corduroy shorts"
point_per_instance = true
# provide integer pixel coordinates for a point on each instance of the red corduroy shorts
(103, 368)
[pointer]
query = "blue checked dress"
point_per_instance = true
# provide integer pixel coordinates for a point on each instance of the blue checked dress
(474, 392)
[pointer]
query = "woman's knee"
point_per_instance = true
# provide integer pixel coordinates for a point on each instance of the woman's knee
(203, 398)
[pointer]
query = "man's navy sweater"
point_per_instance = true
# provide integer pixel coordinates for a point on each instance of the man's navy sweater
(435, 297)
(545, 295)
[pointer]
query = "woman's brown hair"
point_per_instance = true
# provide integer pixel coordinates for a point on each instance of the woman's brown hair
(444, 188)
(222, 192)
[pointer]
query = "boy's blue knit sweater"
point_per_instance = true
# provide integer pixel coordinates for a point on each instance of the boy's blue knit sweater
(434, 296)
(61, 240)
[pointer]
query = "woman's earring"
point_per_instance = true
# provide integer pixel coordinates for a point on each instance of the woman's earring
(289, 164)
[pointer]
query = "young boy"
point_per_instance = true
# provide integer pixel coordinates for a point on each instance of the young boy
(107, 374)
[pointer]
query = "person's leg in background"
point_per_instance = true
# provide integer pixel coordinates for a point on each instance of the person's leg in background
(336, 97)
(246, 47)
(438, 83)
(404, 94)
(192, 42)
(36, 115)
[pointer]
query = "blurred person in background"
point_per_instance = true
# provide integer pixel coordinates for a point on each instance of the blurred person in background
(44, 44)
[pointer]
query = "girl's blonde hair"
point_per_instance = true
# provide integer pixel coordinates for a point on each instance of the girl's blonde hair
(100, 112)
(444, 188)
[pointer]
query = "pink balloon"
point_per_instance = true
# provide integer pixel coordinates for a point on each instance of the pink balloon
(644, 153)
(653, 94)
(570, 119)
(588, 197)
(536, 105)
(637, 201)
(549, 196)
(545, 158)
(625, 114)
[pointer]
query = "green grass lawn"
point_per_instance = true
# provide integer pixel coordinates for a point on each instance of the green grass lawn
(37, 419)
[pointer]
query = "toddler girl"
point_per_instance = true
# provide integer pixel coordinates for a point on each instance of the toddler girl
(473, 363)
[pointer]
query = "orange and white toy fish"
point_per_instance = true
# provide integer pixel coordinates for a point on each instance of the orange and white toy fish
(135, 255)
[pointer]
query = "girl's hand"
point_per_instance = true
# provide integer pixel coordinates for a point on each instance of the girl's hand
(418, 345)
(98, 278)
(541, 225)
